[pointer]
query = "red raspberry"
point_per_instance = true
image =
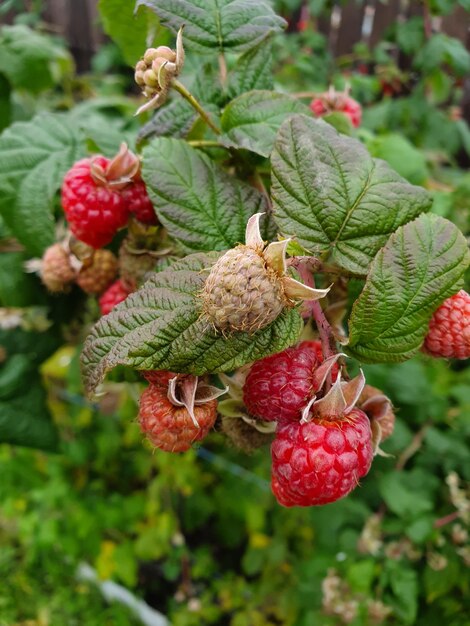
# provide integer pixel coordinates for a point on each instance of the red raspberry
(158, 377)
(449, 328)
(139, 203)
(95, 210)
(98, 272)
(279, 386)
(113, 295)
(169, 427)
(332, 101)
(320, 461)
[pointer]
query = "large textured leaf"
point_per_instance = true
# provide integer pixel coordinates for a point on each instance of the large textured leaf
(161, 327)
(223, 24)
(334, 197)
(252, 120)
(133, 32)
(25, 420)
(420, 266)
(175, 119)
(253, 70)
(198, 203)
(34, 156)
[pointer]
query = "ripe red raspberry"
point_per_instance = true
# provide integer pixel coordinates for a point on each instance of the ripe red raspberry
(158, 377)
(170, 427)
(95, 210)
(138, 203)
(56, 270)
(320, 461)
(113, 295)
(98, 272)
(332, 101)
(279, 386)
(449, 328)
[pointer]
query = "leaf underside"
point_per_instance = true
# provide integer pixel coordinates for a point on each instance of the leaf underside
(419, 267)
(161, 327)
(339, 202)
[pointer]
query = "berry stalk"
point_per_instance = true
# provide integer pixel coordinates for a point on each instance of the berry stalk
(181, 89)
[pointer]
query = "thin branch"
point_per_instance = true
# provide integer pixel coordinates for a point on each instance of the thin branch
(181, 89)
(414, 446)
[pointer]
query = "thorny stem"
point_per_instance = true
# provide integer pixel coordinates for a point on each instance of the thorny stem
(323, 326)
(181, 89)
(447, 519)
(206, 143)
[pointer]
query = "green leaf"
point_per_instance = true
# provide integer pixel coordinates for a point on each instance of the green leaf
(34, 156)
(252, 120)
(133, 32)
(17, 289)
(5, 102)
(199, 204)
(161, 327)
(401, 497)
(25, 421)
(401, 155)
(404, 584)
(340, 121)
(176, 119)
(234, 25)
(420, 266)
(253, 70)
(32, 61)
(337, 200)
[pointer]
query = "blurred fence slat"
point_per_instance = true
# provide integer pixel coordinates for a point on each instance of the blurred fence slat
(350, 29)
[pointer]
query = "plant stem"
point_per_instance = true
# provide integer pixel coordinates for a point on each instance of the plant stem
(206, 143)
(323, 326)
(258, 183)
(181, 89)
(447, 519)
(222, 70)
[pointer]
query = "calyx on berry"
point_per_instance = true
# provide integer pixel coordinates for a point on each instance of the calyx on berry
(122, 170)
(190, 391)
(248, 287)
(156, 70)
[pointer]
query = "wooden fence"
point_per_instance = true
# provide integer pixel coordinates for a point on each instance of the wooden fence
(347, 24)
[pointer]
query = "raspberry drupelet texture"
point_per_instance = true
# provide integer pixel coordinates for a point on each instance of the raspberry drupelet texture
(332, 101)
(113, 295)
(171, 428)
(319, 462)
(56, 269)
(98, 273)
(449, 329)
(138, 203)
(94, 210)
(241, 293)
(279, 386)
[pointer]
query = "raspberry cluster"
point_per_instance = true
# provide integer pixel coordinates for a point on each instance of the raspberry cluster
(323, 444)
(449, 329)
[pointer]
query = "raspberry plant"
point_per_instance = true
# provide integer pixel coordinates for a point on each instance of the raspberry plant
(253, 228)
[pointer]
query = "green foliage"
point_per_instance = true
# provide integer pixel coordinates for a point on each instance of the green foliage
(418, 268)
(34, 156)
(132, 31)
(200, 205)
(339, 202)
(252, 120)
(233, 25)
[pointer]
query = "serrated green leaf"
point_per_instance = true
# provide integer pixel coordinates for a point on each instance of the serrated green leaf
(400, 154)
(5, 102)
(233, 25)
(252, 120)
(25, 420)
(199, 204)
(340, 121)
(420, 266)
(161, 327)
(404, 584)
(253, 70)
(132, 31)
(34, 156)
(176, 119)
(337, 200)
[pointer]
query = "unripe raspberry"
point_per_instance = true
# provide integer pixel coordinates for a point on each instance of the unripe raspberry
(378, 408)
(247, 287)
(114, 294)
(56, 269)
(99, 274)
(171, 428)
(449, 329)
(320, 461)
(243, 435)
